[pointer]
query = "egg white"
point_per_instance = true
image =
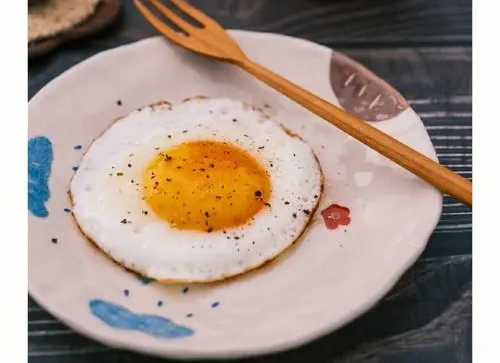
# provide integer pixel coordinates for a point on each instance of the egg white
(148, 244)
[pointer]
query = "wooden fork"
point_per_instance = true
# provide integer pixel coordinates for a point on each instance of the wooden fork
(212, 40)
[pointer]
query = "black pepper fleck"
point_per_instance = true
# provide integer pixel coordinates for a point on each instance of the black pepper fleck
(294, 215)
(119, 102)
(54, 240)
(306, 212)
(258, 193)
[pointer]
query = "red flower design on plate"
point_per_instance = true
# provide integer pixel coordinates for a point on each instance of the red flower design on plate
(336, 215)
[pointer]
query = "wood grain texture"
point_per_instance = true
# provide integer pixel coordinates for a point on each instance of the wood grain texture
(422, 48)
(350, 23)
(335, 23)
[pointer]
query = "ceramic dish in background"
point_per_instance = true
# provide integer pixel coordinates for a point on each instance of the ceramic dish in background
(327, 279)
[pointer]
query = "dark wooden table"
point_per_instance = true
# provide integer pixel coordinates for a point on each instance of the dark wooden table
(423, 48)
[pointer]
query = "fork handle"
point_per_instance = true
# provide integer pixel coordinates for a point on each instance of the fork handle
(432, 172)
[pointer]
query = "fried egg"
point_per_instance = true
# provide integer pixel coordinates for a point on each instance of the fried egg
(196, 192)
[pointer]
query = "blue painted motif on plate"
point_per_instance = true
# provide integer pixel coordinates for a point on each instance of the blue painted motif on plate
(40, 157)
(119, 317)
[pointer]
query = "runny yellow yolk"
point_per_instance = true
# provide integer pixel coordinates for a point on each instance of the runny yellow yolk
(205, 186)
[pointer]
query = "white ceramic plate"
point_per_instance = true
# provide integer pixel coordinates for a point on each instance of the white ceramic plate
(330, 277)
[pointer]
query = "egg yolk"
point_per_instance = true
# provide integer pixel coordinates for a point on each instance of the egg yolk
(205, 186)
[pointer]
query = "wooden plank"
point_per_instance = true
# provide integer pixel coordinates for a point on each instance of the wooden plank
(360, 23)
(432, 79)
(353, 23)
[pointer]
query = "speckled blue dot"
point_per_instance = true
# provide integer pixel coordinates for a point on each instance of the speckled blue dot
(144, 280)
(67, 210)
(119, 317)
(159, 303)
(40, 157)
(215, 304)
(77, 147)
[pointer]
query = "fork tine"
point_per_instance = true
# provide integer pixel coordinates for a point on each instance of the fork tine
(202, 18)
(211, 40)
(158, 24)
(177, 20)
